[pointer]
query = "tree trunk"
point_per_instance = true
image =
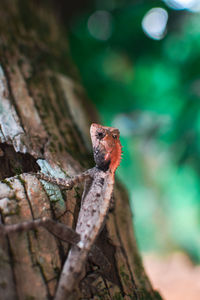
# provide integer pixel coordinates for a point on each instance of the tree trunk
(44, 124)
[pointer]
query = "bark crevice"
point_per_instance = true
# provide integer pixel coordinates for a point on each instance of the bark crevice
(15, 163)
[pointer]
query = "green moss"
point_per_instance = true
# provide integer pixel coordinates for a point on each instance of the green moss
(52, 147)
(18, 170)
(124, 275)
(7, 183)
(45, 104)
(60, 147)
(157, 296)
(131, 297)
(54, 137)
(118, 296)
(146, 295)
(103, 294)
(21, 180)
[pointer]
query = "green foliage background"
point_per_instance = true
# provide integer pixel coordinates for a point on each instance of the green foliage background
(150, 90)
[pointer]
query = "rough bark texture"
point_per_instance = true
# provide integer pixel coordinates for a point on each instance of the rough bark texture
(44, 124)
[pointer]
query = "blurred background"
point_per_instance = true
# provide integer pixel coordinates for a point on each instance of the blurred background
(140, 64)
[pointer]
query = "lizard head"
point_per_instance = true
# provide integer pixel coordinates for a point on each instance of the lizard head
(106, 147)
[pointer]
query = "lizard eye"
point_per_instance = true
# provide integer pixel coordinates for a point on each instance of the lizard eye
(100, 135)
(114, 136)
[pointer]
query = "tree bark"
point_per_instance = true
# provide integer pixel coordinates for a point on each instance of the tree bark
(44, 124)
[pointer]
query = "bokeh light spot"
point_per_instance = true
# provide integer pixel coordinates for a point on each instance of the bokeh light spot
(192, 5)
(100, 25)
(154, 23)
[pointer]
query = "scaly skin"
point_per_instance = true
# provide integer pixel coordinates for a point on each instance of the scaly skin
(94, 207)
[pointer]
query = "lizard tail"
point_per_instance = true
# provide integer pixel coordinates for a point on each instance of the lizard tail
(71, 274)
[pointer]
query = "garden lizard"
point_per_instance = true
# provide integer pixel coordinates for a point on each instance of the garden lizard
(95, 203)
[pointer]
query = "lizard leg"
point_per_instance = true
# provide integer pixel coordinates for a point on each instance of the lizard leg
(65, 183)
(61, 231)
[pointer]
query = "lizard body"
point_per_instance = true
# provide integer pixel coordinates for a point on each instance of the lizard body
(94, 205)
(96, 198)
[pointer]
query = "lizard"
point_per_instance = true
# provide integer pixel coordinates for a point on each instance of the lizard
(95, 204)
